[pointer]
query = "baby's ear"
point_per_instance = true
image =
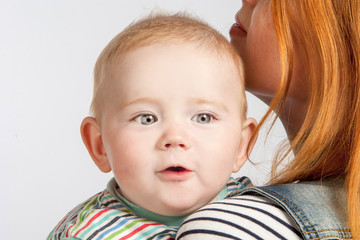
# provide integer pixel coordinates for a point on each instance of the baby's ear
(91, 136)
(247, 143)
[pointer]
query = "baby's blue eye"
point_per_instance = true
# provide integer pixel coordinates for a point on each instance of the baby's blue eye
(146, 119)
(203, 118)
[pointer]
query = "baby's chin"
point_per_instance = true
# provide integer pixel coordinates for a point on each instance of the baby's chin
(182, 206)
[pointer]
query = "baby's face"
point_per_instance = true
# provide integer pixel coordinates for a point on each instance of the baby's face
(171, 126)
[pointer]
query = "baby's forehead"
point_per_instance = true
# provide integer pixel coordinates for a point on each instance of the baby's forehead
(194, 47)
(159, 57)
(173, 62)
(140, 72)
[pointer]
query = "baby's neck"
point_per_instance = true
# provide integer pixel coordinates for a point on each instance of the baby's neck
(174, 221)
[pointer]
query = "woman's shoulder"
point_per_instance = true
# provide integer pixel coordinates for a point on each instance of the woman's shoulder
(318, 207)
(240, 217)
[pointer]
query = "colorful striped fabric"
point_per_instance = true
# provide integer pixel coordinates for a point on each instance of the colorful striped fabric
(103, 216)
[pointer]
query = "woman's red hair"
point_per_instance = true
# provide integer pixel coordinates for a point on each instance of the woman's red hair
(328, 143)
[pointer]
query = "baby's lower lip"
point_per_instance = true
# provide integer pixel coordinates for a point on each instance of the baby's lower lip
(175, 174)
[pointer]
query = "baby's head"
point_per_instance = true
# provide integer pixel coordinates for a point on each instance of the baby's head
(168, 30)
(169, 113)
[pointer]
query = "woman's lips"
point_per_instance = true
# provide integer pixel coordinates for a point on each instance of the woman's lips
(175, 173)
(237, 29)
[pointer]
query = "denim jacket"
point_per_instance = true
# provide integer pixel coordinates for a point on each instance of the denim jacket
(318, 207)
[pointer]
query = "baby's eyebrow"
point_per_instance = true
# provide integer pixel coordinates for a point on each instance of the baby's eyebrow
(139, 101)
(216, 104)
(199, 101)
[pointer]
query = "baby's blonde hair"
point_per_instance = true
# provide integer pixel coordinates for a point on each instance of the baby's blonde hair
(163, 29)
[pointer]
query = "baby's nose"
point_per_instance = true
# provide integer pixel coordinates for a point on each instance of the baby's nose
(174, 138)
(174, 144)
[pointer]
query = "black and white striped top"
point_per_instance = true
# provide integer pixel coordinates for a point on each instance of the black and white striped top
(240, 217)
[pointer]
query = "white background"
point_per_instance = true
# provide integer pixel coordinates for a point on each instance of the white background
(47, 53)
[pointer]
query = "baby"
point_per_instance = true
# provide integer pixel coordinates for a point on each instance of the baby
(169, 120)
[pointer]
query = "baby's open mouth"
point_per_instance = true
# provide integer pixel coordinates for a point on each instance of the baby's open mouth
(176, 169)
(176, 173)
